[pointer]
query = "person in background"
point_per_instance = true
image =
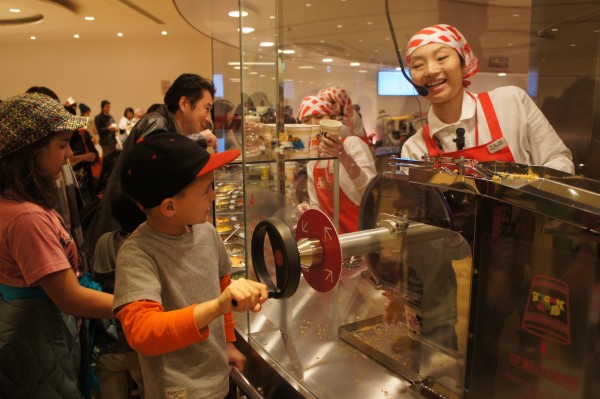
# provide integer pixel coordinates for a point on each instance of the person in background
(84, 156)
(186, 110)
(502, 125)
(42, 277)
(344, 111)
(107, 128)
(357, 168)
(173, 293)
(126, 124)
(118, 368)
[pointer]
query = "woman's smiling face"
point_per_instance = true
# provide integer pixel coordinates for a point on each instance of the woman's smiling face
(437, 67)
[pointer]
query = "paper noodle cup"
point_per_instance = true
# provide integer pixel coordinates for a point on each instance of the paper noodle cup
(330, 127)
(299, 139)
(414, 321)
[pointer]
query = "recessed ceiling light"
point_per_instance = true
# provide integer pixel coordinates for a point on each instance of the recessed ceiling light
(76, 36)
(355, 64)
(247, 29)
(32, 37)
(572, 45)
(236, 14)
(340, 26)
(89, 18)
(502, 74)
(253, 73)
(164, 33)
(308, 4)
(306, 67)
(15, 10)
(286, 51)
(261, 75)
(120, 34)
(369, 23)
(327, 60)
(554, 29)
(266, 44)
(515, 15)
(362, 70)
(271, 16)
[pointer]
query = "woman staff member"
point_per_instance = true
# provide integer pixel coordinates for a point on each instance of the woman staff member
(504, 124)
(357, 168)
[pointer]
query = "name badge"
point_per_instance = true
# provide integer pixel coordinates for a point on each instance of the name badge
(497, 145)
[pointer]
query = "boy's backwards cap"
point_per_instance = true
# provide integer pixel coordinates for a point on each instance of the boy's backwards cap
(161, 165)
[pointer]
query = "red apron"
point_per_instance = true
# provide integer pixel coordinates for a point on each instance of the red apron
(495, 150)
(348, 215)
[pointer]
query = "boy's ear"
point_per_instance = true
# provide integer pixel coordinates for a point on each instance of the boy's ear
(167, 207)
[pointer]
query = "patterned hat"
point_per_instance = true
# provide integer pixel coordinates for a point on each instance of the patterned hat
(315, 105)
(27, 118)
(163, 164)
(450, 36)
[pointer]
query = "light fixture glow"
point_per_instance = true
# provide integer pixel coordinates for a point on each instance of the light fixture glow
(90, 18)
(164, 33)
(236, 14)
(327, 60)
(76, 36)
(32, 37)
(247, 29)
(502, 74)
(266, 44)
(306, 67)
(355, 64)
(15, 10)
(120, 34)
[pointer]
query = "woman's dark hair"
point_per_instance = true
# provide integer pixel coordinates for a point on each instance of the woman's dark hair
(128, 109)
(187, 85)
(20, 173)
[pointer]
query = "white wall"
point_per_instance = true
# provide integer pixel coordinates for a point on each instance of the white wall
(126, 72)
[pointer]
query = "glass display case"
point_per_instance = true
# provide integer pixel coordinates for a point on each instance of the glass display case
(421, 312)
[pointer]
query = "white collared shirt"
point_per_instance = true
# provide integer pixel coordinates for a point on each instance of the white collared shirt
(531, 138)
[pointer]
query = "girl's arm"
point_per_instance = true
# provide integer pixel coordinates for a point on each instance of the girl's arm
(71, 298)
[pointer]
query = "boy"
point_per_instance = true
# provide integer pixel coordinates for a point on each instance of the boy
(172, 283)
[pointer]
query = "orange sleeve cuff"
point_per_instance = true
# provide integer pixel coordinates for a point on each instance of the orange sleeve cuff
(152, 331)
(229, 322)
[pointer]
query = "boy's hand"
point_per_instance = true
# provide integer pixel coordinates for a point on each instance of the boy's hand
(247, 294)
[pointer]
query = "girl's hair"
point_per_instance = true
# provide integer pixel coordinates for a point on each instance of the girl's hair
(20, 177)
(128, 109)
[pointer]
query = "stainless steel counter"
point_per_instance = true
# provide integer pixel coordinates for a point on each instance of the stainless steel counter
(298, 337)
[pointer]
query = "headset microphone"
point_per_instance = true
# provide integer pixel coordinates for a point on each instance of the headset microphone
(422, 90)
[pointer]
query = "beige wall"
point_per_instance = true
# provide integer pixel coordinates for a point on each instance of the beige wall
(126, 72)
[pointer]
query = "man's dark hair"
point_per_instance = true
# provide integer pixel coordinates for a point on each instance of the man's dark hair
(187, 85)
(43, 90)
(103, 103)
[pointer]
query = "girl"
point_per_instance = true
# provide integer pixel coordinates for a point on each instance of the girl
(39, 263)
(502, 125)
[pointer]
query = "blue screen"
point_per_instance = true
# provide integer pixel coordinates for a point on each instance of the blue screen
(393, 83)
(219, 87)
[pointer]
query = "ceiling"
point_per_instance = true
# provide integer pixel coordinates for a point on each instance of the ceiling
(344, 30)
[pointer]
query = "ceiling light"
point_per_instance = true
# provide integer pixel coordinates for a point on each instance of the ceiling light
(502, 74)
(14, 10)
(236, 14)
(355, 64)
(76, 36)
(327, 60)
(340, 26)
(572, 45)
(32, 37)
(253, 73)
(271, 16)
(306, 67)
(554, 29)
(369, 23)
(120, 34)
(247, 29)
(362, 70)
(164, 33)
(308, 4)
(266, 44)
(286, 51)
(89, 18)
(515, 15)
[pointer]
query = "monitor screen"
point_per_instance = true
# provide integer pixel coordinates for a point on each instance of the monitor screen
(393, 83)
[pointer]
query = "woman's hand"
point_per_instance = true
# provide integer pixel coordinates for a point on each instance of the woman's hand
(332, 146)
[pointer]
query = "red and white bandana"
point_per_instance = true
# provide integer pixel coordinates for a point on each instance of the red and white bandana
(449, 36)
(340, 96)
(315, 105)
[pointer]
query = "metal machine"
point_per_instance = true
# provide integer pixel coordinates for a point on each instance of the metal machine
(489, 269)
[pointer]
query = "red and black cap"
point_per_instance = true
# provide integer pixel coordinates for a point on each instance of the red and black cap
(162, 165)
